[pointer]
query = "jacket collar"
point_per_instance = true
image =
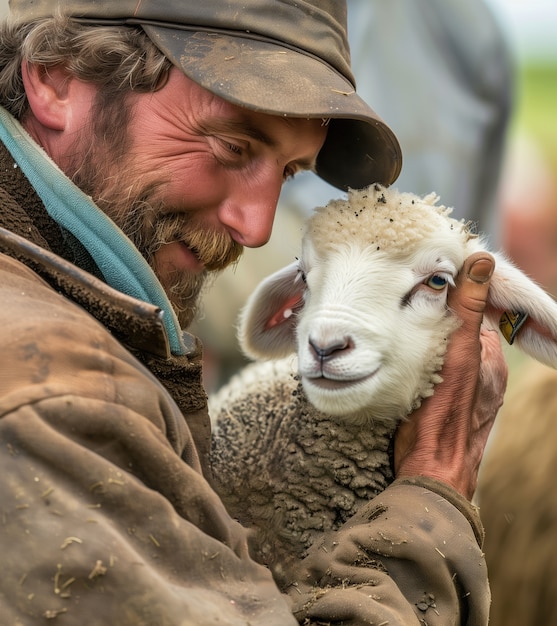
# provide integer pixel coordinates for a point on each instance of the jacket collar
(134, 322)
(120, 263)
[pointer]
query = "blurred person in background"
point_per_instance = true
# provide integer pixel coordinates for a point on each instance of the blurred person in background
(528, 199)
(529, 212)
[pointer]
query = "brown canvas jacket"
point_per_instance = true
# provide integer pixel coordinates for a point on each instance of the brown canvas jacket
(106, 515)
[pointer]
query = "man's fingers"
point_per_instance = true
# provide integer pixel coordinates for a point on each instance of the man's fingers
(473, 285)
(446, 436)
(469, 300)
(493, 371)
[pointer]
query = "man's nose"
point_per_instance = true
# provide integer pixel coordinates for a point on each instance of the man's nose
(249, 212)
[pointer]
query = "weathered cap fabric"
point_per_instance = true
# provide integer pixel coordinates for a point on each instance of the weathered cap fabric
(283, 57)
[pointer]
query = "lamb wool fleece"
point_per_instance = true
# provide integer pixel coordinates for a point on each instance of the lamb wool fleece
(398, 223)
(328, 472)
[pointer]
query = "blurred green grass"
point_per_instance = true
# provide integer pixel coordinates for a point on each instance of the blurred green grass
(536, 107)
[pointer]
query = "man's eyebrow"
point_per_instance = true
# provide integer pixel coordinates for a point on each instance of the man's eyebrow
(243, 128)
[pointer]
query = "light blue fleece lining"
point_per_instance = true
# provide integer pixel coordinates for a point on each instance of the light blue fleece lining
(118, 259)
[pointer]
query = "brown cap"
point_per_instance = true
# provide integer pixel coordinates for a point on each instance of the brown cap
(283, 57)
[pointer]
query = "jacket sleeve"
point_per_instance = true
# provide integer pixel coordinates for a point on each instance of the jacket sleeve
(104, 517)
(410, 556)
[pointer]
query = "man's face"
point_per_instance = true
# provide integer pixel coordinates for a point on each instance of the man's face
(198, 180)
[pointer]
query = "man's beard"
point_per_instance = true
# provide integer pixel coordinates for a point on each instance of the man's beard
(150, 229)
(107, 173)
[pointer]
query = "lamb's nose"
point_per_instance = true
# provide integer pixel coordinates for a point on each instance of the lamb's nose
(324, 352)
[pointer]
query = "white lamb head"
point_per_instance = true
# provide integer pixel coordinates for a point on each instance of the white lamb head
(365, 306)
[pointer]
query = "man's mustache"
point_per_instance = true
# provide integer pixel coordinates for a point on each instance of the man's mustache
(214, 248)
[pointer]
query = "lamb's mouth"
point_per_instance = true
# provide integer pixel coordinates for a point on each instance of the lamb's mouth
(333, 384)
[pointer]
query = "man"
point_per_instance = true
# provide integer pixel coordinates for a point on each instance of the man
(177, 123)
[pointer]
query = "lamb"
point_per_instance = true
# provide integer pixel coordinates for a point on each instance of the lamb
(300, 444)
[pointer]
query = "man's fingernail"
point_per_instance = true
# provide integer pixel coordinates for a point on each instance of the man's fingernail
(481, 270)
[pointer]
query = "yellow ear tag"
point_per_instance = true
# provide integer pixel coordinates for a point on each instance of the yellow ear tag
(510, 323)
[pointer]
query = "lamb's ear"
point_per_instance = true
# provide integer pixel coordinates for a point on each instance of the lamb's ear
(511, 292)
(267, 324)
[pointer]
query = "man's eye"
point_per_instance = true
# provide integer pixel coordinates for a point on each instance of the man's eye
(229, 153)
(232, 147)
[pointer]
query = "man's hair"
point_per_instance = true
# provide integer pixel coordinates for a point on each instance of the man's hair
(116, 59)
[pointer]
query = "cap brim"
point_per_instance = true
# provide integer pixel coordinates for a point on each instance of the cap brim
(360, 148)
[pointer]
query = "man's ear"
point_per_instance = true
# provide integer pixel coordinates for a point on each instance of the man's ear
(47, 90)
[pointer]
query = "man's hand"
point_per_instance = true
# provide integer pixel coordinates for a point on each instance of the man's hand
(446, 437)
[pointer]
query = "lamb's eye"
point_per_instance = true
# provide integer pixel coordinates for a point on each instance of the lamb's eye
(437, 282)
(302, 275)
